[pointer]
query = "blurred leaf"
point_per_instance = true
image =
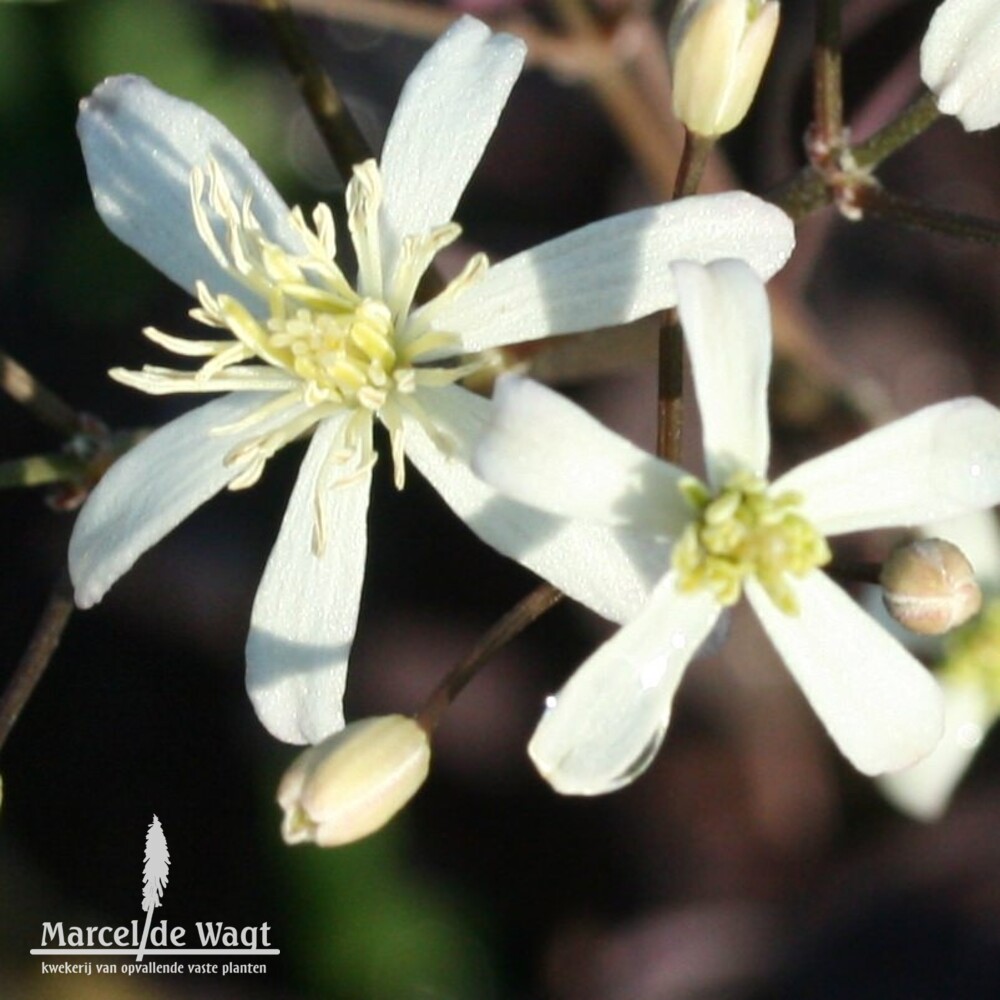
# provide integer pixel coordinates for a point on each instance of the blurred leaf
(20, 57)
(174, 46)
(368, 927)
(168, 42)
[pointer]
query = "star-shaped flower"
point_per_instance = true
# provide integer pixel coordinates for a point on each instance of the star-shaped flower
(960, 61)
(737, 533)
(301, 350)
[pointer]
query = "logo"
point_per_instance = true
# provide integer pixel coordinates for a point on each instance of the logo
(211, 939)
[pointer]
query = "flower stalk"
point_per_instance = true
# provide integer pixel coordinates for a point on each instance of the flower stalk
(337, 128)
(35, 661)
(527, 611)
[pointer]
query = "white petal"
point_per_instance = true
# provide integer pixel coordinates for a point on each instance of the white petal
(925, 789)
(609, 570)
(445, 116)
(615, 270)
(140, 145)
(543, 450)
(727, 328)
(880, 705)
(150, 490)
(306, 609)
(978, 536)
(603, 728)
(937, 463)
(960, 61)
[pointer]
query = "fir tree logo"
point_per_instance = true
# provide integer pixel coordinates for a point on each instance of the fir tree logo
(155, 872)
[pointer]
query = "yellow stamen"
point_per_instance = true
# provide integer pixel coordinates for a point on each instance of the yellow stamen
(744, 531)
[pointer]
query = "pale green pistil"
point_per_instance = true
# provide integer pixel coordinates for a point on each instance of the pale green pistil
(745, 531)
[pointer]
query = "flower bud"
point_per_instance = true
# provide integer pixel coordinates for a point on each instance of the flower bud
(718, 51)
(929, 586)
(354, 782)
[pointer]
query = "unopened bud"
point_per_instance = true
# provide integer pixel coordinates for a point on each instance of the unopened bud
(929, 586)
(354, 782)
(718, 51)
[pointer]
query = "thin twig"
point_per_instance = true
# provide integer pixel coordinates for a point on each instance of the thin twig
(693, 160)
(41, 470)
(511, 625)
(670, 389)
(914, 120)
(41, 401)
(339, 131)
(828, 91)
(36, 658)
(567, 58)
(877, 203)
(810, 189)
(653, 147)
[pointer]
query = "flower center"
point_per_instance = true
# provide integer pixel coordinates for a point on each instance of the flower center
(305, 335)
(972, 653)
(744, 531)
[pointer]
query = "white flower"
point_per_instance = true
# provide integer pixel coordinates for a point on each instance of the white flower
(967, 665)
(737, 533)
(301, 350)
(960, 61)
(718, 51)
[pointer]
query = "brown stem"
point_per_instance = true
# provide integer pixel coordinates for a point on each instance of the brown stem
(693, 159)
(828, 91)
(42, 402)
(336, 126)
(875, 202)
(670, 391)
(651, 145)
(37, 656)
(512, 624)
(810, 190)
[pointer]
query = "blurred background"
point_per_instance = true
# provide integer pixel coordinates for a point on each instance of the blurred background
(750, 862)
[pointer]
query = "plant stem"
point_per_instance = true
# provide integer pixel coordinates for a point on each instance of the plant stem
(36, 658)
(914, 120)
(528, 610)
(670, 389)
(337, 128)
(809, 190)
(41, 470)
(670, 370)
(878, 203)
(694, 156)
(828, 90)
(41, 401)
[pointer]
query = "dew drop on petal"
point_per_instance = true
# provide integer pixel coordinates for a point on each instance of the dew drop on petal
(969, 735)
(960, 471)
(550, 702)
(643, 760)
(651, 673)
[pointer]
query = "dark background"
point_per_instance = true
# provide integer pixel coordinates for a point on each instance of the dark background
(749, 863)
